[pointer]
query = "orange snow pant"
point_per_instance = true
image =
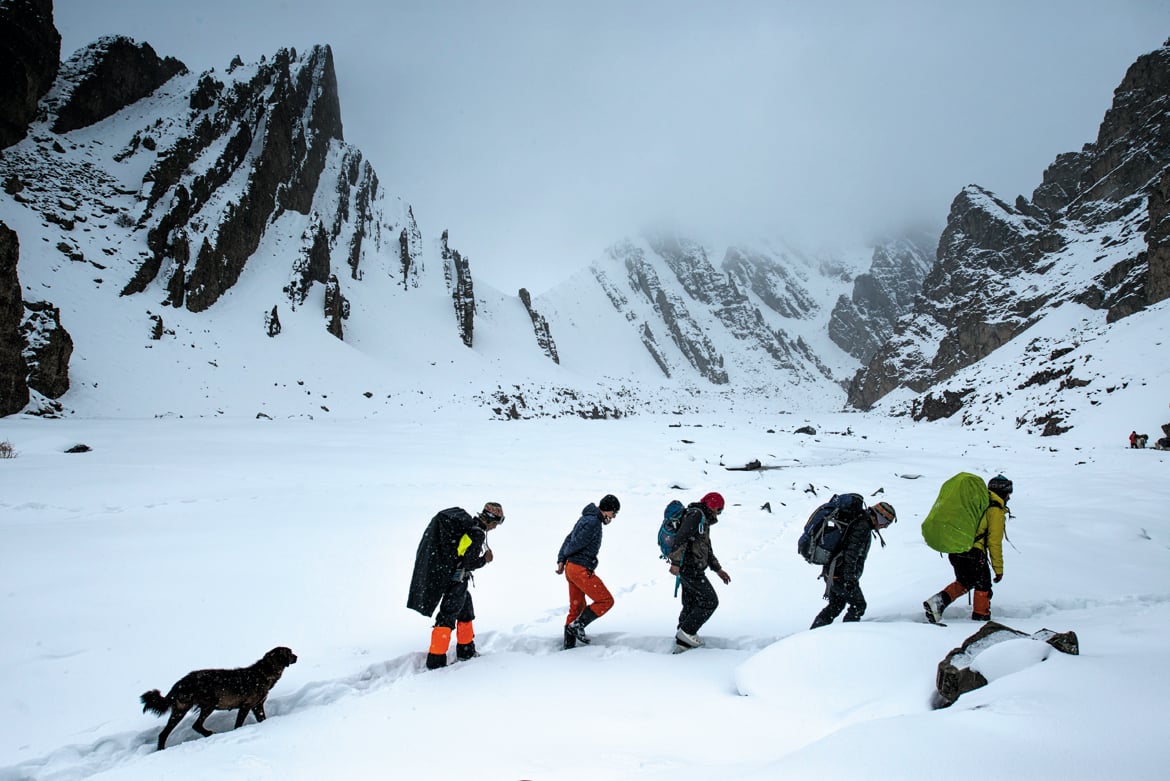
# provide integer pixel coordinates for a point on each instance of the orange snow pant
(585, 583)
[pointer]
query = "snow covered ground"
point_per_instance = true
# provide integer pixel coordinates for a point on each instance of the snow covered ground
(182, 544)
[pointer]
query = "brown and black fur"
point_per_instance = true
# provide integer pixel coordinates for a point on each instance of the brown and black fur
(245, 688)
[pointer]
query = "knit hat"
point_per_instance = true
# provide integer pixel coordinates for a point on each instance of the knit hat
(492, 511)
(883, 514)
(1001, 486)
(609, 504)
(713, 501)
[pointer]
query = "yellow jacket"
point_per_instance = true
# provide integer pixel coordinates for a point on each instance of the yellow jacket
(989, 535)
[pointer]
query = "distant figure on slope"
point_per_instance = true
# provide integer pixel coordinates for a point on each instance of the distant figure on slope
(577, 560)
(452, 547)
(1133, 439)
(842, 574)
(1142, 439)
(971, 568)
(689, 560)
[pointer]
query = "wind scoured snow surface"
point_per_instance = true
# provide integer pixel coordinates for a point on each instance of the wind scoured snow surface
(182, 544)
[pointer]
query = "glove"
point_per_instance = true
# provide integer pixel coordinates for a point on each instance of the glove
(997, 578)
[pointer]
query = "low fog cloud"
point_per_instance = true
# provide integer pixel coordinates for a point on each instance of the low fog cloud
(539, 132)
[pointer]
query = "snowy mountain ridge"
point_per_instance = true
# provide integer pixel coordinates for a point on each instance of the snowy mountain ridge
(234, 194)
(220, 221)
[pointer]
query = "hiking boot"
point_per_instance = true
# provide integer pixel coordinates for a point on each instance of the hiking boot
(570, 638)
(578, 630)
(465, 651)
(687, 639)
(980, 617)
(435, 661)
(933, 608)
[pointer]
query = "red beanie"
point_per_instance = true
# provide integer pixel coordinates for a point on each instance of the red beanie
(713, 501)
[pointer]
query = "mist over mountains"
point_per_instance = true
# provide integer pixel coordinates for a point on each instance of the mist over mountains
(182, 243)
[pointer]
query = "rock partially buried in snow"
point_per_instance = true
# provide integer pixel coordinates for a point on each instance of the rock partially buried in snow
(972, 665)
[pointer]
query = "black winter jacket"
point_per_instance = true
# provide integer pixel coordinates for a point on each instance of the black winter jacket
(849, 562)
(694, 552)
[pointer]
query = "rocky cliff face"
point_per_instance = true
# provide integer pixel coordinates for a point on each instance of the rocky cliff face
(745, 323)
(250, 173)
(540, 327)
(1094, 233)
(13, 369)
(47, 349)
(30, 54)
(266, 136)
(457, 272)
(862, 322)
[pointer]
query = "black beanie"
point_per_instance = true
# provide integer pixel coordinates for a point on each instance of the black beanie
(609, 504)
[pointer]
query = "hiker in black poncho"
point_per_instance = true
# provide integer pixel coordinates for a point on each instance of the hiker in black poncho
(453, 545)
(842, 574)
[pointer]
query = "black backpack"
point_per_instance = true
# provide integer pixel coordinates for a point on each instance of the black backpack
(825, 529)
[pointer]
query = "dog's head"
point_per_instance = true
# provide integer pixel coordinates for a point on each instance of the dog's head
(280, 657)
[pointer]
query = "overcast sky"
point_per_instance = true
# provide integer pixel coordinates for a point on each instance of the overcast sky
(541, 132)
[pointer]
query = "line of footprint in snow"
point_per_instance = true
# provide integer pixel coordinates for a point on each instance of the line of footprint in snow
(80, 761)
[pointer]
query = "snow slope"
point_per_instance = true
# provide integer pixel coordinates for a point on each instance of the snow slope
(182, 544)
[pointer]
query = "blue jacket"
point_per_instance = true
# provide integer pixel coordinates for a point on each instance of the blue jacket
(584, 541)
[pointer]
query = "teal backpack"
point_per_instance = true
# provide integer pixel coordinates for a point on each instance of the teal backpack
(668, 532)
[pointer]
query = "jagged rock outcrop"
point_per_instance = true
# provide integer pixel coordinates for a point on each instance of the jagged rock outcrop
(457, 272)
(540, 326)
(1158, 240)
(741, 321)
(1083, 238)
(336, 307)
(686, 334)
(13, 369)
(275, 130)
(105, 77)
(34, 347)
(861, 323)
(272, 322)
(410, 251)
(47, 349)
(777, 285)
(30, 54)
(312, 265)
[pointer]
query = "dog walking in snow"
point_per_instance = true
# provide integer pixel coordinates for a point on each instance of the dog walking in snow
(245, 688)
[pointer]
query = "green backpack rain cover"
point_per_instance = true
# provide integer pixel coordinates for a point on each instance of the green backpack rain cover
(951, 524)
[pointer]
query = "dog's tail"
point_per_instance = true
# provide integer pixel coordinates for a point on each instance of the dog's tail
(155, 702)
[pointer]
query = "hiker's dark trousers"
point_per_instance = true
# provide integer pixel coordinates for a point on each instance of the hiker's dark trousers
(699, 601)
(972, 570)
(842, 593)
(456, 606)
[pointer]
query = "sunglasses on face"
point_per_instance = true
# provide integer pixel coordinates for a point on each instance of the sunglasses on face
(493, 518)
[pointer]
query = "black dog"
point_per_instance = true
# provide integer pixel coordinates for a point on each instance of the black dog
(245, 688)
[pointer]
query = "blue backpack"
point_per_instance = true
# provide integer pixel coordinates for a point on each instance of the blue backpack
(825, 528)
(668, 532)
